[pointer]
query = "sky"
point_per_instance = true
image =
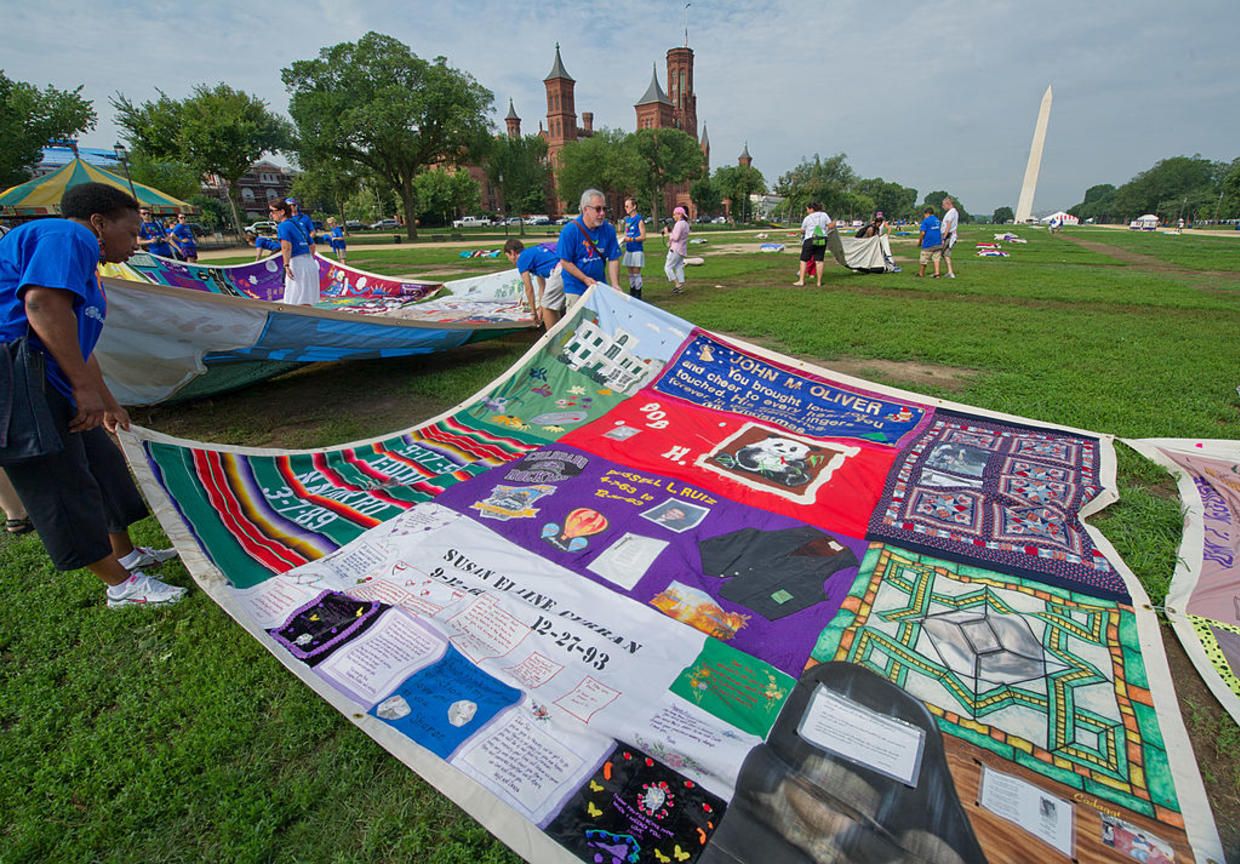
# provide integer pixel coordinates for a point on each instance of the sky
(935, 96)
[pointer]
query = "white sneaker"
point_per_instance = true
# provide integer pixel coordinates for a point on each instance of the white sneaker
(142, 590)
(148, 557)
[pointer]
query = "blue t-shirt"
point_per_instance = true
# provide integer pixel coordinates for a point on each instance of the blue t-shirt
(589, 257)
(931, 226)
(155, 230)
(52, 253)
(271, 244)
(633, 230)
(306, 223)
(337, 238)
(185, 236)
(539, 260)
(292, 232)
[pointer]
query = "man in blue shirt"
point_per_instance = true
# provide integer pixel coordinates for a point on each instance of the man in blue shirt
(931, 243)
(82, 498)
(634, 248)
(543, 262)
(152, 236)
(303, 220)
(587, 247)
(183, 236)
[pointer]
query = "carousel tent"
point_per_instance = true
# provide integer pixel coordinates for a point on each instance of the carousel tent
(41, 196)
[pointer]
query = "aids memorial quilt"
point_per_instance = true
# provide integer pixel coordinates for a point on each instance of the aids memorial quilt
(658, 595)
(1203, 602)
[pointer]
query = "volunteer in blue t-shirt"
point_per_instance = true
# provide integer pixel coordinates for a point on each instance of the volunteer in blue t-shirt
(339, 246)
(302, 219)
(931, 243)
(265, 245)
(81, 499)
(183, 236)
(543, 262)
(301, 273)
(587, 247)
(152, 235)
(634, 246)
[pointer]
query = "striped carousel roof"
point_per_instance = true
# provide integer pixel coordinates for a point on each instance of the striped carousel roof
(41, 196)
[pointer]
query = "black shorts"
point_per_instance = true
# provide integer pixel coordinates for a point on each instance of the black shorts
(809, 250)
(78, 496)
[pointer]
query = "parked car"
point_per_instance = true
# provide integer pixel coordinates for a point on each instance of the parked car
(385, 225)
(538, 220)
(264, 228)
(355, 225)
(563, 220)
(513, 220)
(719, 220)
(469, 222)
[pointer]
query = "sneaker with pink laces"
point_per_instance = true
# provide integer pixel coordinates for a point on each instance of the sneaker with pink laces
(142, 590)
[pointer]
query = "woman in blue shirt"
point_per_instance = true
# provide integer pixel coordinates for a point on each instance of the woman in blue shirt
(183, 236)
(301, 273)
(81, 500)
(634, 246)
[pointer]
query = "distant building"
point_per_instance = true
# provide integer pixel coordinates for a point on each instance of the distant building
(263, 183)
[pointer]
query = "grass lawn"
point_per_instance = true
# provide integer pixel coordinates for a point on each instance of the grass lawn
(172, 736)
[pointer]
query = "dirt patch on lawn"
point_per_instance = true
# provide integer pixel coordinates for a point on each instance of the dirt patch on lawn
(899, 373)
(904, 373)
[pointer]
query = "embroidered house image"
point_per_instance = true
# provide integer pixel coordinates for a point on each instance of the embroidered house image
(608, 359)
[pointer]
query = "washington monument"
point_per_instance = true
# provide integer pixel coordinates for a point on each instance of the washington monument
(1024, 208)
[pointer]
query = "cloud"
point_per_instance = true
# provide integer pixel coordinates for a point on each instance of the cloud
(934, 96)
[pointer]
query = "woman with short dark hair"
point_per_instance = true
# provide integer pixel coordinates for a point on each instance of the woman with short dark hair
(82, 499)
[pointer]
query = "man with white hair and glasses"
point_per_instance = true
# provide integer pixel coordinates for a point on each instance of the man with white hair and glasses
(588, 248)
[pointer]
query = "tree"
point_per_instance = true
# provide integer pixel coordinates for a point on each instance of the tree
(1003, 215)
(667, 157)
(827, 182)
(440, 194)
(215, 130)
(605, 161)
(896, 201)
(377, 104)
(1174, 187)
(706, 197)
(325, 184)
(211, 211)
(167, 175)
(518, 168)
(30, 118)
(935, 200)
(737, 183)
(1228, 205)
(1099, 204)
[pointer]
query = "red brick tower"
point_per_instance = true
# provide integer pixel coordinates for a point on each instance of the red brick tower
(745, 159)
(654, 109)
(513, 122)
(561, 112)
(680, 89)
(705, 145)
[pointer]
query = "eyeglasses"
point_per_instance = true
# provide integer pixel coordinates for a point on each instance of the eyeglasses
(597, 208)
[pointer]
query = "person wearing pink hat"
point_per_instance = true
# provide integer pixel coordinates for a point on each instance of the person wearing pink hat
(677, 249)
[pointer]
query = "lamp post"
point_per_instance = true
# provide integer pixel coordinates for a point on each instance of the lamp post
(123, 155)
(504, 209)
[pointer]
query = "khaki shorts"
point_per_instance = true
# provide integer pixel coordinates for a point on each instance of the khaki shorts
(553, 294)
(934, 253)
